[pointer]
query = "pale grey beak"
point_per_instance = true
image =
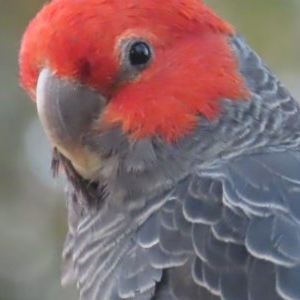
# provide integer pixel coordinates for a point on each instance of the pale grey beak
(66, 109)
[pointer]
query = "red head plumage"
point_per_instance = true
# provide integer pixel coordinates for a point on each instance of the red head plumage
(193, 65)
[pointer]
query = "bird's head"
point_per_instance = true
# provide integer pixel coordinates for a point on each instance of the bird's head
(149, 68)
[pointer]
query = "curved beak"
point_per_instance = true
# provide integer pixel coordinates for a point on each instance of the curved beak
(67, 111)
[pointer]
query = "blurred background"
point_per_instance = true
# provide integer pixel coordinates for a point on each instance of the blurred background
(32, 210)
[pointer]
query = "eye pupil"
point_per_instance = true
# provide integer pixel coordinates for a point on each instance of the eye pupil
(139, 53)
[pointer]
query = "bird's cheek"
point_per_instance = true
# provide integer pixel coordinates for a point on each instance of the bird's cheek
(67, 111)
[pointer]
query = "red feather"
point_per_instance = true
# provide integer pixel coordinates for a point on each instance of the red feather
(193, 66)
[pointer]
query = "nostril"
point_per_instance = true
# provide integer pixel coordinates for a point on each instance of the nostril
(84, 68)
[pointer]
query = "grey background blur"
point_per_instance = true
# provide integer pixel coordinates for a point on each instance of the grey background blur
(32, 210)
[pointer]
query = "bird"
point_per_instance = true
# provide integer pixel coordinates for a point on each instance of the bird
(180, 146)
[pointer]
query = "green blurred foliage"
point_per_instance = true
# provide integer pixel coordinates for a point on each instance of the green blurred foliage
(32, 213)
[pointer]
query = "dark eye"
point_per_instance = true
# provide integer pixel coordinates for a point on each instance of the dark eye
(139, 53)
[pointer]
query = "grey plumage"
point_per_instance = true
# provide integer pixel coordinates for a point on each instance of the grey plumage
(215, 216)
